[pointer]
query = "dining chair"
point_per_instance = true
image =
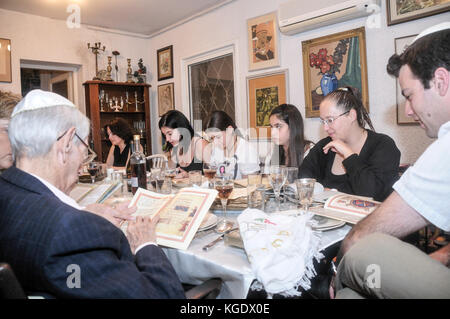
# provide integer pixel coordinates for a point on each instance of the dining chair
(156, 161)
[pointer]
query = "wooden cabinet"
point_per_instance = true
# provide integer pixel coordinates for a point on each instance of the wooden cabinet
(104, 98)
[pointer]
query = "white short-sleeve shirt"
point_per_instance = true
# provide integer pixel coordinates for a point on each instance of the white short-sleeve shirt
(426, 185)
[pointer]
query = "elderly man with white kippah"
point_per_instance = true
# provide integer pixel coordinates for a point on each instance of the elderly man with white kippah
(45, 235)
(373, 261)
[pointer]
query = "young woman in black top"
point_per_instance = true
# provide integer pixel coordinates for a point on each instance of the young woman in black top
(352, 159)
(120, 134)
(182, 146)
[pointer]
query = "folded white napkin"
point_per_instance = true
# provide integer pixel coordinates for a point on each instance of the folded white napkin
(280, 249)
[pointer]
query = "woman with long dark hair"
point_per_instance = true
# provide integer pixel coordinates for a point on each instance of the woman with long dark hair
(352, 159)
(230, 149)
(180, 142)
(120, 135)
(287, 133)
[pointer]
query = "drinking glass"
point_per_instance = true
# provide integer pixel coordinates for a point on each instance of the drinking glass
(93, 168)
(224, 185)
(292, 176)
(195, 178)
(277, 178)
(210, 170)
(255, 191)
(305, 190)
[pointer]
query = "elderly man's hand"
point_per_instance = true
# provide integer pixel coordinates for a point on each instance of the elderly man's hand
(115, 214)
(141, 231)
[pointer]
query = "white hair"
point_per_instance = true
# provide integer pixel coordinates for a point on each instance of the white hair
(32, 133)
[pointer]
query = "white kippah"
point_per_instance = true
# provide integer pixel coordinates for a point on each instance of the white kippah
(433, 29)
(38, 99)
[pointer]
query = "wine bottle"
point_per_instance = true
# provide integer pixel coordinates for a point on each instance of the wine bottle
(137, 164)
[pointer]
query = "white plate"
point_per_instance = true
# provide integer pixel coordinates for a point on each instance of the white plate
(208, 222)
(325, 223)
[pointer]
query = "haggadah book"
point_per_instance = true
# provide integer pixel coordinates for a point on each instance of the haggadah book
(180, 215)
(349, 208)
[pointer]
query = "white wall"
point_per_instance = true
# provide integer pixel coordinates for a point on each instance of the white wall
(228, 25)
(48, 40)
(43, 39)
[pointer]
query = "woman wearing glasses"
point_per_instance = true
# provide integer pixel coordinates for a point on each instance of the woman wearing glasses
(352, 159)
(120, 135)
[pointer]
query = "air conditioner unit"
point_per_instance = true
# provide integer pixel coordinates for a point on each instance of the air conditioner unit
(297, 16)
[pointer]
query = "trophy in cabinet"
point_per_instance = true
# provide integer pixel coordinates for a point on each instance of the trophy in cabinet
(129, 72)
(108, 70)
(95, 49)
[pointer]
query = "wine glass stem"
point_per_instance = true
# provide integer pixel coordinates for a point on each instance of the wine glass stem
(93, 179)
(277, 198)
(224, 205)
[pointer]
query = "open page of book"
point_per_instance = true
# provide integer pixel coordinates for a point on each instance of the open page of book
(81, 190)
(97, 194)
(180, 215)
(349, 208)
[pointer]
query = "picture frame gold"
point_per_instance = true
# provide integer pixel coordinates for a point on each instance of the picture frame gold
(166, 98)
(403, 11)
(165, 63)
(402, 119)
(265, 92)
(5, 60)
(334, 61)
(263, 42)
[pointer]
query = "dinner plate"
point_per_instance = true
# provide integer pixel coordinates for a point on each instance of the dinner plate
(208, 222)
(324, 223)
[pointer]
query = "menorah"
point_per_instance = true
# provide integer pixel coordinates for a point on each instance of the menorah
(95, 49)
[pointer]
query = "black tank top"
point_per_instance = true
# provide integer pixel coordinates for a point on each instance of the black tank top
(194, 165)
(120, 159)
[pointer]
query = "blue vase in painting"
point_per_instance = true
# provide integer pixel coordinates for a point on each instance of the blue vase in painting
(328, 83)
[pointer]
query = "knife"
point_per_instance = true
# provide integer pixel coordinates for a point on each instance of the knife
(215, 241)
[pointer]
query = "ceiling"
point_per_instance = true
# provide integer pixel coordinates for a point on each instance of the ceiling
(141, 17)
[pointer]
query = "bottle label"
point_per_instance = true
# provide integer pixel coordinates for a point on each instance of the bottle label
(134, 182)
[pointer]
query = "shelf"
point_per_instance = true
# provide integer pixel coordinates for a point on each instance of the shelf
(120, 112)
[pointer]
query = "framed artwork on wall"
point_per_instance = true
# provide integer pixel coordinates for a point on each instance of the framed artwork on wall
(166, 98)
(399, 11)
(165, 63)
(5, 60)
(265, 92)
(402, 118)
(334, 61)
(263, 42)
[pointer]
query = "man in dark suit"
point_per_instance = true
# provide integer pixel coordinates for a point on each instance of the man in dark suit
(54, 247)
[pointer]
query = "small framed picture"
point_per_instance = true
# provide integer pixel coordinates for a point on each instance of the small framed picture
(265, 92)
(403, 11)
(263, 42)
(166, 98)
(5, 60)
(165, 63)
(402, 118)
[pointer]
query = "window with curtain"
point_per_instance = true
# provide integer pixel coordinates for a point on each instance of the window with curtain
(211, 88)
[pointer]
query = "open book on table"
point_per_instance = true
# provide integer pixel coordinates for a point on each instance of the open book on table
(346, 207)
(180, 215)
(86, 194)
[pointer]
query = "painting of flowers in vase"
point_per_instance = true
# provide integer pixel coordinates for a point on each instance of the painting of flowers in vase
(331, 62)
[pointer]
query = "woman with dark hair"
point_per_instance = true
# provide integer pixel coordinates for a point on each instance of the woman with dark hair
(183, 146)
(286, 124)
(352, 159)
(120, 134)
(230, 150)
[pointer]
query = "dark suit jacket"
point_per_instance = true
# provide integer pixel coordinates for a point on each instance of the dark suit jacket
(41, 237)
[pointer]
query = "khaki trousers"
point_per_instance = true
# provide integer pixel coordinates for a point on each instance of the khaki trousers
(381, 266)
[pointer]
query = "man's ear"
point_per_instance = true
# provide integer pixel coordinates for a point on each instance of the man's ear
(65, 144)
(442, 81)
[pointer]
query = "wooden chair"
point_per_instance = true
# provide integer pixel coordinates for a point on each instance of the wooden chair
(156, 161)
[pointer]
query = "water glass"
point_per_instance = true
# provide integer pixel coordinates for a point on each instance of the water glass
(195, 178)
(305, 190)
(255, 191)
(166, 186)
(277, 178)
(291, 177)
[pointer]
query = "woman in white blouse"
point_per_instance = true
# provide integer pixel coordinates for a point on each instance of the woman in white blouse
(231, 152)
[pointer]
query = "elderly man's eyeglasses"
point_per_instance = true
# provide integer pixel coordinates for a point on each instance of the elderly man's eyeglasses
(91, 154)
(328, 121)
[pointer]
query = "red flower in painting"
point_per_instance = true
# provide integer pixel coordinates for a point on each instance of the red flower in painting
(329, 63)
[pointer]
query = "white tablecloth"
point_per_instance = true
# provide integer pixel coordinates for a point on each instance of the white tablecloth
(229, 263)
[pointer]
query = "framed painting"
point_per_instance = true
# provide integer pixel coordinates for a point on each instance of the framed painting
(5, 60)
(399, 11)
(334, 61)
(402, 118)
(166, 98)
(265, 92)
(165, 63)
(263, 42)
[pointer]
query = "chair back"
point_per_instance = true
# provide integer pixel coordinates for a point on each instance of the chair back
(156, 161)
(10, 287)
